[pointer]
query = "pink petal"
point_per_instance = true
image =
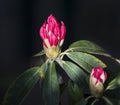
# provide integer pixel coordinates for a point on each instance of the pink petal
(57, 32)
(53, 40)
(97, 72)
(51, 19)
(63, 31)
(42, 31)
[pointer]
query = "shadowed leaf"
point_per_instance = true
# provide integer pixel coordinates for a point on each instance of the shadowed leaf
(20, 88)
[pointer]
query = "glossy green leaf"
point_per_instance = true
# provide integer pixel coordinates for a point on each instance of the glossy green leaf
(85, 60)
(20, 88)
(51, 86)
(75, 94)
(82, 102)
(39, 54)
(75, 73)
(88, 47)
(115, 83)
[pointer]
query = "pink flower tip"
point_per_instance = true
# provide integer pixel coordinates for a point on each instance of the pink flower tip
(99, 74)
(53, 31)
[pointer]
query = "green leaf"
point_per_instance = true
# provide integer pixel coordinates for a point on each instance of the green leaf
(88, 47)
(85, 60)
(112, 84)
(115, 83)
(20, 88)
(82, 102)
(42, 70)
(75, 73)
(75, 94)
(51, 86)
(39, 54)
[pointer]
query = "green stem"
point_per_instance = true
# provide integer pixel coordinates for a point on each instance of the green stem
(89, 98)
(107, 100)
(94, 101)
(65, 52)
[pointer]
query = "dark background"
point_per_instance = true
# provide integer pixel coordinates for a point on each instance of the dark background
(20, 20)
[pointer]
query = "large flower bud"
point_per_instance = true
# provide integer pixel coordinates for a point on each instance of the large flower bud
(52, 33)
(97, 78)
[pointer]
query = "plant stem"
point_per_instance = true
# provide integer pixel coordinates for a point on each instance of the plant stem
(107, 100)
(89, 98)
(94, 101)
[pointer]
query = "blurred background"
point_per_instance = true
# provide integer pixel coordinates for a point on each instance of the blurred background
(20, 20)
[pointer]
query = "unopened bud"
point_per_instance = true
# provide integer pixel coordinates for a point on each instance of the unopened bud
(97, 78)
(52, 33)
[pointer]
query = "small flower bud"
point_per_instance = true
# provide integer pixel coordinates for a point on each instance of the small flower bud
(97, 78)
(52, 33)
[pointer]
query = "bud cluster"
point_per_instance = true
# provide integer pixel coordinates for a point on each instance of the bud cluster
(52, 33)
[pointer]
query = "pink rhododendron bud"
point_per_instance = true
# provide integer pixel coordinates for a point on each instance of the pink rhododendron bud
(52, 33)
(97, 78)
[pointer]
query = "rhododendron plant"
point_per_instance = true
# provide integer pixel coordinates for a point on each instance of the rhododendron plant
(90, 81)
